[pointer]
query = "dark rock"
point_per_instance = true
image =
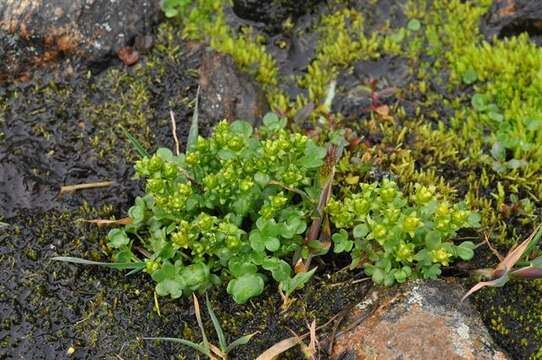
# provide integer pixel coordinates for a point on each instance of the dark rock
(417, 320)
(227, 93)
(389, 73)
(513, 17)
(272, 13)
(38, 32)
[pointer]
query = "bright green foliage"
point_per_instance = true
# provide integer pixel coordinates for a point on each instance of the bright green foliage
(396, 238)
(509, 87)
(342, 41)
(173, 8)
(230, 209)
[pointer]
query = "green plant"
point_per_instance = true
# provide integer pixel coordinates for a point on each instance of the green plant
(396, 238)
(206, 348)
(173, 8)
(231, 209)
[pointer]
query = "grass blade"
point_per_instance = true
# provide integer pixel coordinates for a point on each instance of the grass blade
(527, 273)
(136, 144)
(279, 348)
(188, 343)
(513, 256)
(216, 324)
(534, 239)
(240, 341)
(99, 222)
(200, 323)
(134, 271)
(193, 133)
(500, 281)
(118, 266)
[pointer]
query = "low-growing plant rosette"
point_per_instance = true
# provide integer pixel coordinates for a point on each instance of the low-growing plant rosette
(396, 238)
(231, 209)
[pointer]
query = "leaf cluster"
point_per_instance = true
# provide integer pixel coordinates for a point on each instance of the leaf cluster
(231, 209)
(396, 238)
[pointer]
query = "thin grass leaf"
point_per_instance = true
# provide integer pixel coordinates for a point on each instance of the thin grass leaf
(500, 281)
(513, 256)
(537, 262)
(3, 225)
(243, 340)
(197, 310)
(527, 273)
(134, 271)
(118, 266)
(216, 324)
(279, 348)
(330, 95)
(99, 222)
(71, 188)
(194, 132)
(535, 239)
(188, 343)
(135, 143)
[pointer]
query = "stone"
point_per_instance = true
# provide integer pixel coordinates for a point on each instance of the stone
(513, 17)
(34, 33)
(272, 13)
(227, 93)
(424, 319)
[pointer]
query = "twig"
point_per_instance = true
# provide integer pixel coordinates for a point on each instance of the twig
(71, 188)
(336, 327)
(174, 131)
(493, 250)
(123, 221)
(286, 187)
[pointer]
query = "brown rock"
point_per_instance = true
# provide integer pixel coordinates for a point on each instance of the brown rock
(34, 33)
(128, 55)
(227, 93)
(513, 17)
(418, 320)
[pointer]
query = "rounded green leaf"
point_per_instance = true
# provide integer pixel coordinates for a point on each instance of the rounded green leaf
(242, 128)
(465, 250)
(414, 25)
(164, 154)
(195, 275)
(245, 287)
(478, 102)
(272, 244)
(239, 267)
(470, 76)
(360, 231)
(117, 238)
(433, 240)
(257, 242)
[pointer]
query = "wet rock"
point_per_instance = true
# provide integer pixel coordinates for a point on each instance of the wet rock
(227, 93)
(38, 32)
(419, 320)
(386, 75)
(272, 13)
(513, 17)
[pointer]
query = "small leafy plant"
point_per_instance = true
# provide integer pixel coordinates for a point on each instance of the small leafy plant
(205, 347)
(229, 210)
(396, 238)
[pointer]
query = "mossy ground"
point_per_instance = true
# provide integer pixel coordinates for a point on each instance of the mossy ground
(67, 132)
